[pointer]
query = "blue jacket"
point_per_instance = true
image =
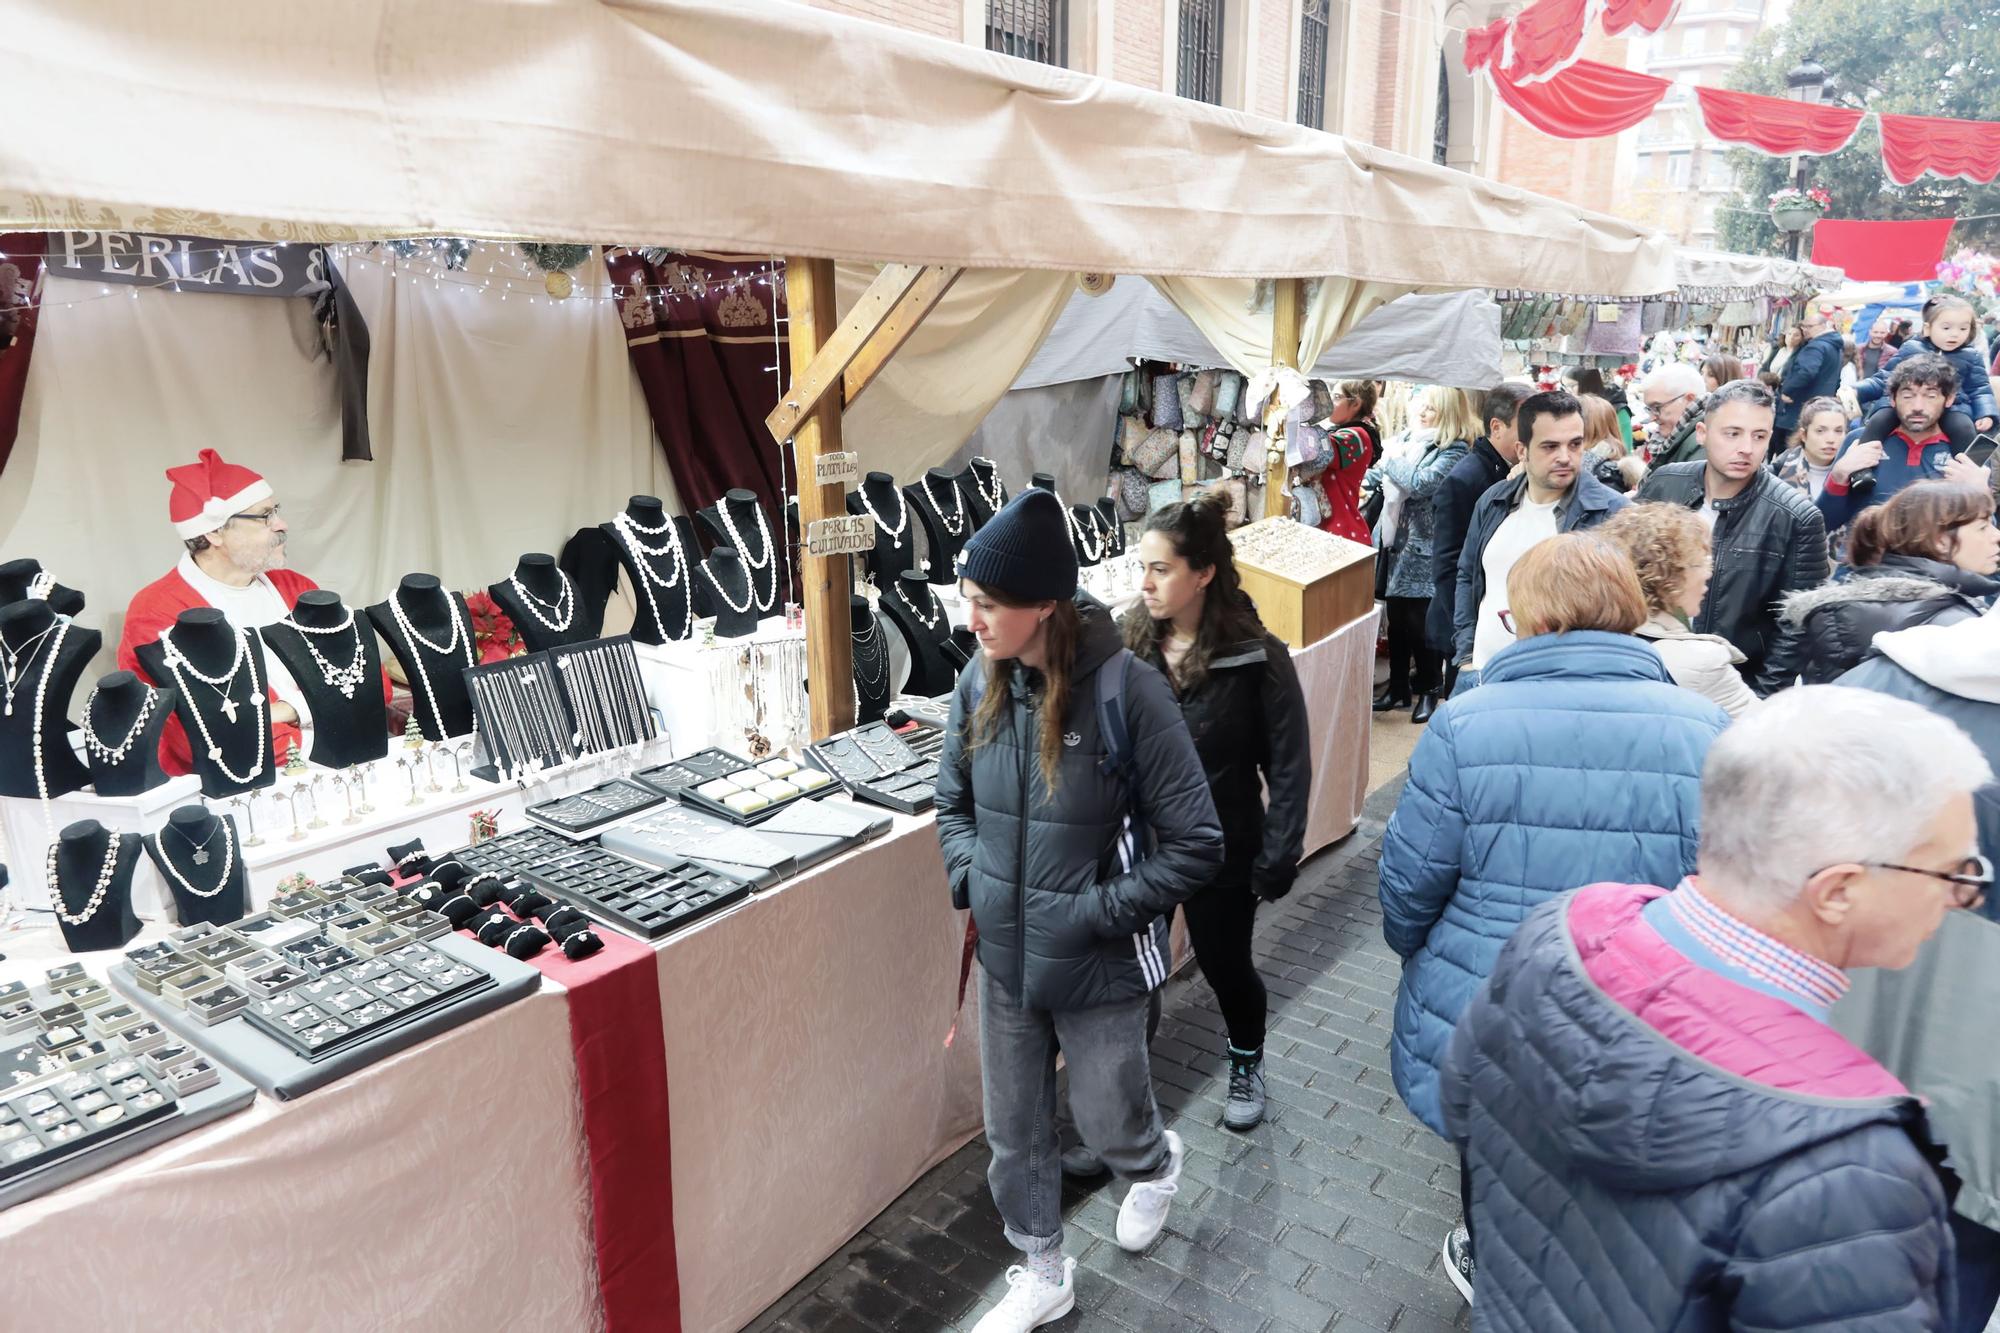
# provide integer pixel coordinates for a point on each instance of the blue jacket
(1813, 372)
(1655, 1148)
(1975, 386)
(1903, 461)
(1577, 759)
(1451, 514)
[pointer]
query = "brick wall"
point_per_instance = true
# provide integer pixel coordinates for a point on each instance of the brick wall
(1358, 60)
(1138, 36)
(934, 18)
(1273, 35)
(1582, 171)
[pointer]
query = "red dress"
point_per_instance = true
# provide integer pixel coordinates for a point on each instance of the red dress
(1354, 450)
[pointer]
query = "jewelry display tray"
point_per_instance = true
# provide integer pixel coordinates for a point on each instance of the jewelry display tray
(234, 1043)
(879, 766)
(517, 854)
(229, 1095)
(708, 765)
(636, 899)
(587, 811)
(803, 835)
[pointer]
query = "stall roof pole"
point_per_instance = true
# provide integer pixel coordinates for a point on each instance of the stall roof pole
(855, 352)
(1287, 324)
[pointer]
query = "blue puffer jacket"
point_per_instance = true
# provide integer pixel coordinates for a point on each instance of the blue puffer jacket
(1576, 760)
(1975, 386)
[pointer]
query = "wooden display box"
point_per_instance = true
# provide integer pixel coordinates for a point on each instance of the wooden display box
(1306, 583)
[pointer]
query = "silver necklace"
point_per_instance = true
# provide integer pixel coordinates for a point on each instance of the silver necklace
(562, 609)
(115, 754)
(201, 858)
(105, 875)
(749, 590)
(894, 534)
(628, 531)
(176, 663)
(423, 675)
(11, 661)
(868, 646)
(346, 679)
(954, 524)
(935, 608)
(1078, 538)
(998, 495)
(770, 557)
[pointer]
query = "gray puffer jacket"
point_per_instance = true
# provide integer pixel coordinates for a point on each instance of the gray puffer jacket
(1066, 919)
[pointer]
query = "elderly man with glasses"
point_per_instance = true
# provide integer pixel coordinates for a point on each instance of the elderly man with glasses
(1662, 1126)
(1672, 396)
(234, 559)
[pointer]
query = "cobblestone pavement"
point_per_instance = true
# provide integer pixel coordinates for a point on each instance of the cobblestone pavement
(1330, 1215)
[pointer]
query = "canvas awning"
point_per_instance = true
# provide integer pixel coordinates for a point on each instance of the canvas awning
(716, 124)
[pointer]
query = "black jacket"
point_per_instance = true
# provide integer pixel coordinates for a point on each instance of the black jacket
(1588, 504)
(1248, 720)
(1813, 372)
(1770, 542)
(1839, 621)
(1451, 514)
(1066, 919)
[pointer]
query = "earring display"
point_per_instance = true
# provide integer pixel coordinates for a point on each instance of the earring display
(601, 805)
(337, 1011)
(879, 766)
(74, 1112)
(606, 695)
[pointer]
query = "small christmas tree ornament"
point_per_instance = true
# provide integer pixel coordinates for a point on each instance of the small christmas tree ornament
(413, 735)
(295, 764)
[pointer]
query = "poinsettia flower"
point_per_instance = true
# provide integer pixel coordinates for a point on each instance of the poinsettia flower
(492, 631)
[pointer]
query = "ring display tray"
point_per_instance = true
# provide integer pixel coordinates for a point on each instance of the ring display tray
(880, 766)
(587, 811)
(639, 898)
(731, 787)
(512, 854)
(320, 1019)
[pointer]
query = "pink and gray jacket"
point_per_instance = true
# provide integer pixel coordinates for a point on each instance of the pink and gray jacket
(1654, 1146)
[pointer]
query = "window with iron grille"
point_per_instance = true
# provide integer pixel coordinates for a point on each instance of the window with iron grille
(1200, 71)
(1441, 132)
(1031, 29)
(1314, 28)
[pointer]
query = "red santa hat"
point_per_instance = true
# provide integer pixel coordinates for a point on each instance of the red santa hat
(207, 492)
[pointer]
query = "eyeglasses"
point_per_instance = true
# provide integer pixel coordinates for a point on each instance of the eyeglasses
(1664, 403)
(1969, 882)
(263, 516)
(1507, 623)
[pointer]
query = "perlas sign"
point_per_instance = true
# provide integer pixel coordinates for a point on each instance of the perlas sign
(189, 263)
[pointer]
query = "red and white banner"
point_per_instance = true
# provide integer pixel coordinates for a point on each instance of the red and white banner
(1648, 15)
(1585, 101)
(1915, 145)
(1777, 125)
(1544, 39)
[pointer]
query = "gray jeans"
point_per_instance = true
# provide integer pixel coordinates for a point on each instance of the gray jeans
(1110, 1094)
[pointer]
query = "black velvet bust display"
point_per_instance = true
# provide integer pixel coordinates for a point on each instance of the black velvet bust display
(552, 618)
(210, 643)
(931, 671)
(756, 546)
(941, 507)
(891, 554)
(872, 673)
(109, 715)
(981, 483)
(203, 849)
(1112, 525)
(1085, 538)
(17, 575)
(347, 729)
(439, 699)
(667, 615)
(30, 629)
(735, 602)
(80, 853)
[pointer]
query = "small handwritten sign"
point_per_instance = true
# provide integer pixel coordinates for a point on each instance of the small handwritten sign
(839, 468)
(850, 534)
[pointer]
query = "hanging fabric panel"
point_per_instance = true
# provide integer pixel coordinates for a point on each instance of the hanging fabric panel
(1649, 15)
(1545, 38)
(1881, 251)
(1777, 125)
(1586, 101)
(1913, 146)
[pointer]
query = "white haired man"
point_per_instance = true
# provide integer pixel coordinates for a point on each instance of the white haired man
(1673, 397)
(1661, 1128)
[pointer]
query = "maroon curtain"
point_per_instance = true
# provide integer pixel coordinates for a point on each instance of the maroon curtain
(20, 296)
(698, 328)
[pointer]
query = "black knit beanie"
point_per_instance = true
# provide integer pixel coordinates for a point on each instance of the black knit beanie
(1024, 550)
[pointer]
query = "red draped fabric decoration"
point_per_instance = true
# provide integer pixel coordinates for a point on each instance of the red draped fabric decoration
(1482, 45)
(1914, 145)
(1545, 38)
(20, 290)
(1881, 251)
(1650, 15)
(1776, 125)
(1585, 101)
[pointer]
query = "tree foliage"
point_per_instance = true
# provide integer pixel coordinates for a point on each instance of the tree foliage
(1912, 57)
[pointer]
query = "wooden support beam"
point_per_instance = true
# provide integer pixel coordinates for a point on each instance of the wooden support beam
(1287, 323)
(892, 307)
(917, 301)
(813, 432)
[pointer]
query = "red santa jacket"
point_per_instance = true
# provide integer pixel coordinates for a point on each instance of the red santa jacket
(155, 607)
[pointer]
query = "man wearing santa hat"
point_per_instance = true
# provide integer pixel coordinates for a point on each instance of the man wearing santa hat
(234, 562)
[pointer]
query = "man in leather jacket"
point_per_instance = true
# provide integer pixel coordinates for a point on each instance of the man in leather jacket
(1769, 540)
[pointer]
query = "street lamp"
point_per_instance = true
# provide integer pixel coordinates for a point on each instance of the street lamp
(1805, 84)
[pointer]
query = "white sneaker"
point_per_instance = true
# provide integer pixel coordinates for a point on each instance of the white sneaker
(1030, 1302)
(1144, 1211)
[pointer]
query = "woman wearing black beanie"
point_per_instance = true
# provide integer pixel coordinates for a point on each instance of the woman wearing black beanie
(1071, 845)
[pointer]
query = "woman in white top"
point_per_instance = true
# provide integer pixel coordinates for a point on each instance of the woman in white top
(1669, 547)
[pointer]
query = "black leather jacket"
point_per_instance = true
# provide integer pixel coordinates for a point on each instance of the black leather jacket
(1770, 542)
(1839, 622)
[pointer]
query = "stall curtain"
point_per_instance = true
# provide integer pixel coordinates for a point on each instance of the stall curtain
(1914, 145)
(929, 398)
(500, 428)
(1881, 251)
(1587, 100)
(1235, 314)
(701, 333)
(1777, 125)
(20, 281)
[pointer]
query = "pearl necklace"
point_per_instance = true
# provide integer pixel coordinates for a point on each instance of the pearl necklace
(201, 858)
(749, 590)
(177, 663)
(557, 612)
(105, 875)
(1077, 537)
(222, 684)
(1105, 530)
(996, 497)
(951, 529)
(10, 662)
(115, 754)
(346, 679)
(894, 534)
(629, 531)
(402, 620)
(929, 622)
(770, 556)
(35, 734)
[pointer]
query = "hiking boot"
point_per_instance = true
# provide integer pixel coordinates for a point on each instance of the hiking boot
(1245, 1107)
(1030, 1302)
(1144, 1211)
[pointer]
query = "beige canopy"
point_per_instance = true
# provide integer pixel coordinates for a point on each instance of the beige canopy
(752, 125)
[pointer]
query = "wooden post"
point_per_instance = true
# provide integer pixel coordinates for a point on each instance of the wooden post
(1287, 322)
(829, 645)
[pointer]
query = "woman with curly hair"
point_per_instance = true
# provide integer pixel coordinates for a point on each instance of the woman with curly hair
(1669, 547)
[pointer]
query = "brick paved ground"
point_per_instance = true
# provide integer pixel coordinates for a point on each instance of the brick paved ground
(1328, 1216)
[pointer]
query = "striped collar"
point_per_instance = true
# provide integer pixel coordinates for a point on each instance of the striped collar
(1809, 982)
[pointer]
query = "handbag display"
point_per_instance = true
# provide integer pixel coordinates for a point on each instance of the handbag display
(1162, 493)
(1166, 403)
(1190, 453)
(1228, 393)
(1201, 394)
(1131, 434)
(1158, 455)
(1132, 488)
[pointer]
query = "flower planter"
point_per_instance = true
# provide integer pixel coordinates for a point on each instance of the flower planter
(1794, 217)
